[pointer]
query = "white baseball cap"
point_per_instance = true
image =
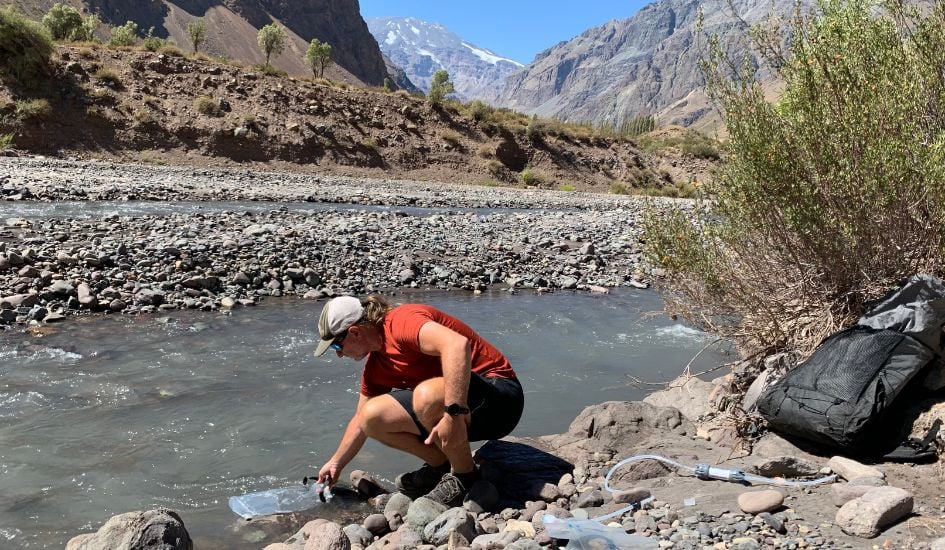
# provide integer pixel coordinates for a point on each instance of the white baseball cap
(338, 315)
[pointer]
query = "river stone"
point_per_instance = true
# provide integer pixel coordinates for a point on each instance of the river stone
(422, 511)
(631, 496)
(366, 484)
(869, 481)
(357, 534)
(842, 493)
(532, 508)
(496, 540)
(327, 535)
(63, 258)
(19, 300)
(398, 503)
(227, 303)
(482, 497)
(851, 469)
(377, 524)
(437, 532)
(160, 529)
(28, 272)
(523, 544)
(524, 527)
(744, 543)
(755, 502)
(117, 305)
(591, 499)
(868, 515)
(784, 466)
(7, 316)
(61, 288)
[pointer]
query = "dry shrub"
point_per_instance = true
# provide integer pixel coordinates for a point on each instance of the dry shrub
(827, 198)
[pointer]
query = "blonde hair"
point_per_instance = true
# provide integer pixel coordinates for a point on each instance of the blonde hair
(375, 309)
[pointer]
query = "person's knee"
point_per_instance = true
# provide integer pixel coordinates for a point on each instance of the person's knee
(373, 417)
(428, 401)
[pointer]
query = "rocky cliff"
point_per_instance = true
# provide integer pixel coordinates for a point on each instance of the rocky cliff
(422, 48)
(233, 24)
(644, 65)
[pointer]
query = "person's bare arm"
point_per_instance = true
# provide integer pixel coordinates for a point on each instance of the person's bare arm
(351, 442)
(455, 355)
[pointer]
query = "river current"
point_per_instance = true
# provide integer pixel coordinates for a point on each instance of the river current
(105, 415)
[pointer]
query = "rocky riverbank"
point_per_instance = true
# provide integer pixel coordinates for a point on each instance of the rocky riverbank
(477, 237)
(562, 476)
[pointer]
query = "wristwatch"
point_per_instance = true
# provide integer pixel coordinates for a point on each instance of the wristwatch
(456, 409)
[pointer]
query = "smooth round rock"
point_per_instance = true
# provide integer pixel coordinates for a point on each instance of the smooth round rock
(756, 502)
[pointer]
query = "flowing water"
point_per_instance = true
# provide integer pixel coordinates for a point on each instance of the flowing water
(112, 414)
(96, 210)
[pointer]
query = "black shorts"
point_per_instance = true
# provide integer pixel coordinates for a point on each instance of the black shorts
(495, 403)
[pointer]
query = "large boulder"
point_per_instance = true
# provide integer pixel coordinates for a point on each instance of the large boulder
(688, 394)
(160, 529)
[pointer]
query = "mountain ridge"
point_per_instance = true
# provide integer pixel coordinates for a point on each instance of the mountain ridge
(421, 48)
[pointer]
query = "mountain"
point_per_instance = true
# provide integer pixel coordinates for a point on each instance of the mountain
(645, 65)
(422, 48)
(232, 26)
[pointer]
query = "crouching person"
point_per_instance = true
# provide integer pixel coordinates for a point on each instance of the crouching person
(430, 385)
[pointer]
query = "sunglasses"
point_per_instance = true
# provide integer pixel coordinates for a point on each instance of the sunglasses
(337, 344)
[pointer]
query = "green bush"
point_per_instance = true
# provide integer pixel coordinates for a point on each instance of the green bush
(124, 36)
(207, 106)
(32, 109)
(618, 188)
(270, 70)
(25, 48)
(532, 177)
(480, 110)
(108, 77)
(567, 187)
(153, 43)
(86, 33)
(6, 141)
(826, 197)
(63, 22)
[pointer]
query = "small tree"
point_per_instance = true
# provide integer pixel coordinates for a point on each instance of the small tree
(318, 56)
(63, 22)
(271, 40)
(90, 25)
(197, 31)
(125, 35)
(440, 87)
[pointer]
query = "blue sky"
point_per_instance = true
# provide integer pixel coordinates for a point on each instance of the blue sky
(517, 29)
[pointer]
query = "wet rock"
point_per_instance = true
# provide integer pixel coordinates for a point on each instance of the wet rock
(159, 529)
(366, 484)
(755, 502)
(868, 515)
(851, 469)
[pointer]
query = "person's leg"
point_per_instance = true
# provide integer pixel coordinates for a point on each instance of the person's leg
(386, 420)
(429, 407)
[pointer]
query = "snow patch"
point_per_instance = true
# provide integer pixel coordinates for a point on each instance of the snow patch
(391, 38)
(429, 54)
(415, 30)
(490, 57)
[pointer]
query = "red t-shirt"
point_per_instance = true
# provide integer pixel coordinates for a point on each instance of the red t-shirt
(401, 364)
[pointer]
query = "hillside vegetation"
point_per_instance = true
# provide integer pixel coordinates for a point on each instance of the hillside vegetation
(827, 196)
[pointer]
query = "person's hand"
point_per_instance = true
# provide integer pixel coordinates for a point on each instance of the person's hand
(449, 432)
(330, 471)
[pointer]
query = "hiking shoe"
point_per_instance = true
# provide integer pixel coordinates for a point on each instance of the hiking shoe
(418, 483)
(449, 491)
